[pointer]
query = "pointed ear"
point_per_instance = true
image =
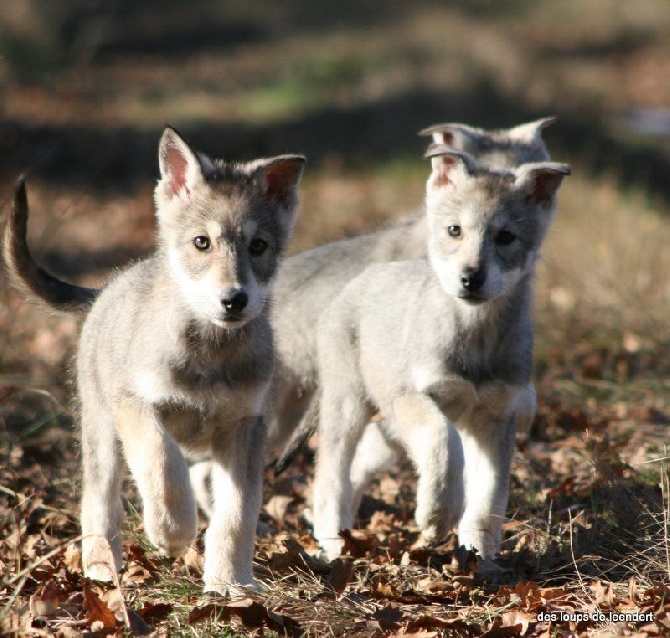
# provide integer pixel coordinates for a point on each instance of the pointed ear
(458, 136)
(446, 161)
(181, 168)
(541, 181)
(279, 178)
(531, 131)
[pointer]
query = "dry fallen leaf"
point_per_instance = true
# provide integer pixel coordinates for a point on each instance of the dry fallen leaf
(72, 558)
(499, 631)
(194, 559)
(113, 598)
(464, 561)
(290, 555)
(603, 595)
(102, 559)
(435, 586)
(45, 601)
(357, 544)
(153, 613)
(135, 574)
(342, 570)
(389, 617)
(210, 611)
(247, 612)
(632, 589)
(428, 622)
(97, 610)
(138, 626)
(519, 618)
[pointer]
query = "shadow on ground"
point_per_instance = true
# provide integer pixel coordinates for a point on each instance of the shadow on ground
(123, 159)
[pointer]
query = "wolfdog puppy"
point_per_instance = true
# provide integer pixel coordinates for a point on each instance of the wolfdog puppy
(175, 357)
(443, 348)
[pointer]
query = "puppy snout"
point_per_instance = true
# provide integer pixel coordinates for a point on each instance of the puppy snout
(472, 279)
(235, 301)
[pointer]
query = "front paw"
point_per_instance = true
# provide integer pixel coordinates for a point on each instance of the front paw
(331, 548)
(171, 537)
(436, 523)
(431, 529)
(98, 560)
(234, 590)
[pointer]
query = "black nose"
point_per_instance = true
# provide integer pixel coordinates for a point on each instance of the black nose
(235, 301)
(472, 279)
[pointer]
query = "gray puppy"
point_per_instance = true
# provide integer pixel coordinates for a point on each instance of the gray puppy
(175, 358)
(443, 348)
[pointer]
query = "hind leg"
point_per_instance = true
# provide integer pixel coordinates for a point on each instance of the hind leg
(201, 483)
(343, 415)
(161, 472)
(202, 479)
(525, 409)
(287, 403)
(342, 420)
(375, 452)
(101, 506)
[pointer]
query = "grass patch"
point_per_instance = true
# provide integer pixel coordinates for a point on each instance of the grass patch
(315, 84)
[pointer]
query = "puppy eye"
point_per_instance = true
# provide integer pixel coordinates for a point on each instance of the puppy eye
(202, 243)
(504, 238)
(454, 231)
(257, 246)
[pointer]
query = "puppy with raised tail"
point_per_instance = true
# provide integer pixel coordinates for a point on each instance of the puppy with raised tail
(175, 358)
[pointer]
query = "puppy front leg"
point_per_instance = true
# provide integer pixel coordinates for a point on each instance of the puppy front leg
(162, 476)
(435, 447)
(237, 469)
(488, 457)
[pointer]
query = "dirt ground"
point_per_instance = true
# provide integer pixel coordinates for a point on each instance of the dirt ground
(86, 90)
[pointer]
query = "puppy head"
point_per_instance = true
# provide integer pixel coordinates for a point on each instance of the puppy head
(501, 148)
(486, 225)
(223, 227)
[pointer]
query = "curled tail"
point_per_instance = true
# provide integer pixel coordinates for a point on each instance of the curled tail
(33, 282)
(307, 426)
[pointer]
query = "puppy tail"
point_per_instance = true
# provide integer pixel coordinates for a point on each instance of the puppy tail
(33, 282)
(301, 435)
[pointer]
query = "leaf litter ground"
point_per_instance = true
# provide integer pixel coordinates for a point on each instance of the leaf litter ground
(586, 547)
